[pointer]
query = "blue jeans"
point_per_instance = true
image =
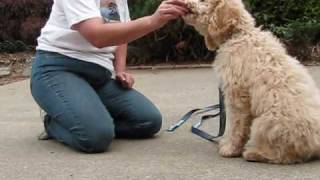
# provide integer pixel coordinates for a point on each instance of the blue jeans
(87, 108)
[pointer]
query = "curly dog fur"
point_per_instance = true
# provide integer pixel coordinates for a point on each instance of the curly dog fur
(270, 97)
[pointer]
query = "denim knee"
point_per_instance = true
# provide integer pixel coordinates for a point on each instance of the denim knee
(97, 140)
(148, 124)
(156, 123)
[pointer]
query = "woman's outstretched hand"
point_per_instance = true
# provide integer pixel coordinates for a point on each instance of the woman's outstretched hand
(169, 10)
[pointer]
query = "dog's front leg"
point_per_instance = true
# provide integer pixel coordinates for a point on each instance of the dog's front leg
(239, 122)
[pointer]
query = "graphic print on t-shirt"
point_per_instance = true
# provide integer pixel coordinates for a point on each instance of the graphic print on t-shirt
(109, 10)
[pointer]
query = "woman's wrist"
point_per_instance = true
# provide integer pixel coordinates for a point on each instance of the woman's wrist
(154, 22)
(119, 71)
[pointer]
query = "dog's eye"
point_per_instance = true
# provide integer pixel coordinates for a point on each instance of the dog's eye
(201, 0)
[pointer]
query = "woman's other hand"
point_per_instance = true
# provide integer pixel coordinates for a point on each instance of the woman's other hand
(125, 79)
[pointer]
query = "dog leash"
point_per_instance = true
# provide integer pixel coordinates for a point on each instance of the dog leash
(195, 129)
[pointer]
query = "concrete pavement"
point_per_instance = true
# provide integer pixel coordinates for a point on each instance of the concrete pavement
(176, 156)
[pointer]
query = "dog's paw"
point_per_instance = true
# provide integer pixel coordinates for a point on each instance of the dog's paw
(255, 155)
(228, 149)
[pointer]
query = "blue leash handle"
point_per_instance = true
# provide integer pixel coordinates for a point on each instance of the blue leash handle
(187, 116)
(196, 127)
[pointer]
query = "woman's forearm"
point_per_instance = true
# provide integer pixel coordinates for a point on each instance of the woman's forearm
(125, 78)
(102, 34)
(120, 58)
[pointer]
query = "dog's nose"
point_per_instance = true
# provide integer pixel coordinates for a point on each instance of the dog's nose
(190, 11)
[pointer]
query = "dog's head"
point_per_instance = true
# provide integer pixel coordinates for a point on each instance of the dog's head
(214, 19)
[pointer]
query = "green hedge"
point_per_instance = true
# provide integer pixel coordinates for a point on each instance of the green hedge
(296, 22)
(176, 42)
(22, 19)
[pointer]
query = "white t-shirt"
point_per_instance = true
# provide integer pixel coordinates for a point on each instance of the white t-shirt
(57, 35)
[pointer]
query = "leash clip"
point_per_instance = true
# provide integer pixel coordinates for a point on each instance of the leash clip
(175, 126)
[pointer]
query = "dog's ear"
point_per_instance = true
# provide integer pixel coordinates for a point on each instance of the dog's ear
(223, 21)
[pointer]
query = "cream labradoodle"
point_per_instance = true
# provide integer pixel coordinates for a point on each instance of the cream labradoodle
(270, 97)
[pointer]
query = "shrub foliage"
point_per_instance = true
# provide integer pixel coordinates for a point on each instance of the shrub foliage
(22, 19)
(296, 22)
(176, 42)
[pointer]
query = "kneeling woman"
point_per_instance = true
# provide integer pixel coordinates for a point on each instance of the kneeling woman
(77, 53)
